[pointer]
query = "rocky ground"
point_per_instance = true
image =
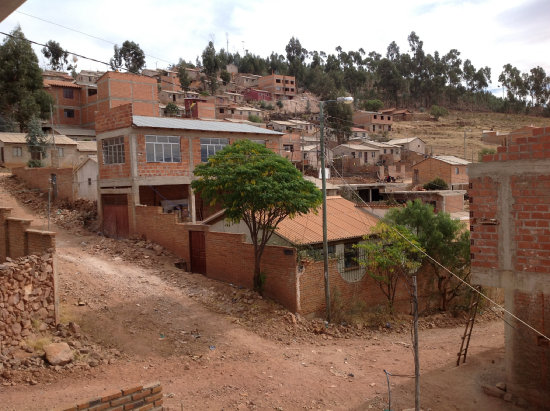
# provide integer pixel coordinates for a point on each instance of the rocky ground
(130, 316)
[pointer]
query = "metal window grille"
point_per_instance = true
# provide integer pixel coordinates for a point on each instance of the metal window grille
(348, 264)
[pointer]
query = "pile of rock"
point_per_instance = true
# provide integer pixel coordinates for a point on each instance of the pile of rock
(27, 297)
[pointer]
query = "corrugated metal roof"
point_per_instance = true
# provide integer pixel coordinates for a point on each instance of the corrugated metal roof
(86, 145)
(357, 147)
(379, 144)
(74, 131)
(199, 125)
(19, 138)
(452, 160)
(403, 140)
(344, 221)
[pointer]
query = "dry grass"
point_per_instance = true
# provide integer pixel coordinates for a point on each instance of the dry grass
(446, 136)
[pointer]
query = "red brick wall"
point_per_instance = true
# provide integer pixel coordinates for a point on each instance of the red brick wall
(113, 119)
(17, 240)
(483, 194)
(529, 373)
(139, 398)
(39, 178)
(523, 166)
(312, 292)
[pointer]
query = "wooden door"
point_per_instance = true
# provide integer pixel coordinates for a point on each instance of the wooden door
(115, 215)
(197, 251)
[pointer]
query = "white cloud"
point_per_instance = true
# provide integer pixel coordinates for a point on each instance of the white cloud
(489, 32)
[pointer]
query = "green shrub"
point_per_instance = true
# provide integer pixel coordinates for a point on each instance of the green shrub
(436, 184)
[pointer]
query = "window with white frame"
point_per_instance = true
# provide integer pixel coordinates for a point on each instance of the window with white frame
(113, 150)
(210, 146)
(17, 152)
(60, 151)
(163, 149)
(373, 154)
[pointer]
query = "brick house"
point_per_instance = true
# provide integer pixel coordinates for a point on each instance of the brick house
(280, 87)
(299, 288)
(149, 161)
(510, 246)
(453, 170)
(364, 154)
(14, 151)
(375, 122)
(256, 95)
(414, 144)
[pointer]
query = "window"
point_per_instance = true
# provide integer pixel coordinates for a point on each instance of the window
(210, 146)
(92, 92)
(163, 149)
(384, 151)
(260, 142)
(373, 154)
(89, 181)
(68, 113)
(360, 154)
(350, 256)
(277, 80)
(60, 151)
(113, 150)
(353, 154)
(389, 118)
(457, 170)
(68, 93)
(288, 147)
(391, 151)
(17, 151)
(375, 116)
(381, 117)
(221, 110)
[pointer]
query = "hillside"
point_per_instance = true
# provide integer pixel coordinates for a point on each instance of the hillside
(446, 136)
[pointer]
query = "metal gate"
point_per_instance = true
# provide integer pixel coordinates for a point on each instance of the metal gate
(115, 215)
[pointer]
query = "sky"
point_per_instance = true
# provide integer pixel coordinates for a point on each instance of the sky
(488, 32)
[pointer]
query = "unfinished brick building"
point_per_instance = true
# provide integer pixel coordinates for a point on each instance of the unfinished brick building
(145, 160)
(510, 246)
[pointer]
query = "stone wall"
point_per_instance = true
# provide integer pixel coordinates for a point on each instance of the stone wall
(28, 299)
(138, 398)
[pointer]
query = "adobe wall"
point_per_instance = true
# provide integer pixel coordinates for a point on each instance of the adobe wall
(510, 246)
(39, 178)
(28, 298)
(140, 397)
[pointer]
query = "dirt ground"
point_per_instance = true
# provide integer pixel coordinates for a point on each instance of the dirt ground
(214, 346)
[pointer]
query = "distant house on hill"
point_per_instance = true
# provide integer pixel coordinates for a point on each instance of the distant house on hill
(453, 170)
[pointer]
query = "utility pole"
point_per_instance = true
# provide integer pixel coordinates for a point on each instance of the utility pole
(415, 343)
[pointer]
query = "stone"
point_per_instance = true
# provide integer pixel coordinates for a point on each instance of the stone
(58, 353)
(493, 391)
(16, 328)
(501, 386)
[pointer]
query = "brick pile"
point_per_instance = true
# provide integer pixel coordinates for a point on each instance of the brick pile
(27, 297)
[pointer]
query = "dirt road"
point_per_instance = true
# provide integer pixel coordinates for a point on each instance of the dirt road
(213, 346)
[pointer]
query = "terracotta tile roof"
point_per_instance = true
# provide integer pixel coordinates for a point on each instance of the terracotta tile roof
(344, 221)
(58, 83)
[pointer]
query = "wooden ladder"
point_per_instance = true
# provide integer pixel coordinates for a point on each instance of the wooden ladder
(472, 311)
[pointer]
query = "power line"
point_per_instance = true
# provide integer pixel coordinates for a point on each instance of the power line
(453, 274)
(83, 33)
